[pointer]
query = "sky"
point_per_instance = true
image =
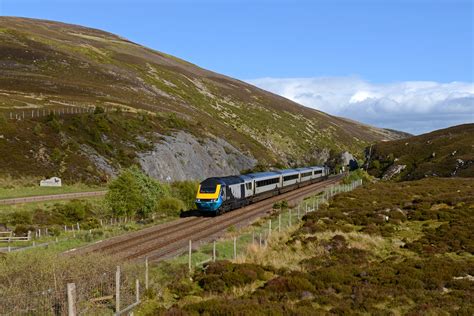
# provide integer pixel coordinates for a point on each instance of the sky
(405, 64)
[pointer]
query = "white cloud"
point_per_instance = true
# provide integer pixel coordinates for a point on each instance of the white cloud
(412, 106)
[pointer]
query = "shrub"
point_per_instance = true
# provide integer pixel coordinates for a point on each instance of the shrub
(221, 275)
(20, 218)
(134, 193)
(281, 205)
(74, 211)
(22, 230)
(170, 206)
(185, 191)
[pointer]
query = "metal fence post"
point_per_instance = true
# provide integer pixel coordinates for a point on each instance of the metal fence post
(71, 299)
(269, 227)
(289, 221)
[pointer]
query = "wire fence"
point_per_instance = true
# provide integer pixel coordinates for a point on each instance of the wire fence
(91, 296)
(19, 115)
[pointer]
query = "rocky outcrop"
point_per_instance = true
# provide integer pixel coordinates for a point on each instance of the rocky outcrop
(392, 171)
(182, 156)
(101, 163)
(346, 158)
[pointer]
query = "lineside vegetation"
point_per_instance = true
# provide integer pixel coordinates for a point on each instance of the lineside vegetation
(384, 248)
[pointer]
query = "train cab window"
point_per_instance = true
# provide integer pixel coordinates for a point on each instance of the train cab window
(208, 189)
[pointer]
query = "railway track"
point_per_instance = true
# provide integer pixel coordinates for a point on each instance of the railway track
(162, 241)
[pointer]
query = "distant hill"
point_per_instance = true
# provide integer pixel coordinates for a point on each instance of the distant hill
(192, 114)
(443, 153)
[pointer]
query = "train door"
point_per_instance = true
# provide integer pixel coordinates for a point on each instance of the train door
(242, 191)
(228, 192)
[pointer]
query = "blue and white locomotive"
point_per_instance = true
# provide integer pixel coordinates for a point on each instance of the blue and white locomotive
(218, 195)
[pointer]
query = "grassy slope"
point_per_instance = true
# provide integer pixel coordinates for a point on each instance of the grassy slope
(54, 65)
(37, 190)
(349, 258)
(435, 153)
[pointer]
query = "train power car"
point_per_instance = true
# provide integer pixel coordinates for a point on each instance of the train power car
(218, 195)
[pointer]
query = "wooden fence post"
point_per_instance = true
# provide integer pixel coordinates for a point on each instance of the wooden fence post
(146, 273)
(71, 299)
(189, 256)
(214, 251)
(269, 228)
(279, 223)
(235, 248)
(137, 290)
(289, 221)
(117, 290)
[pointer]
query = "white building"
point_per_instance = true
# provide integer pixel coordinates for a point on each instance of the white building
(52, 182)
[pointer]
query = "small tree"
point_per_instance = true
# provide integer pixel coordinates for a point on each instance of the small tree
(124, 196)
(134, 193)
(152, 191)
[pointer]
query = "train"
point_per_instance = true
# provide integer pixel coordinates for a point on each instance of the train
(218, 195)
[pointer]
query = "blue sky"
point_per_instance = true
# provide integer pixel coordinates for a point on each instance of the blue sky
(378, 42)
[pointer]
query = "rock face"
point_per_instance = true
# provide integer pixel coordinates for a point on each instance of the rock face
(182, 157)
(392, 171)
(346, 158)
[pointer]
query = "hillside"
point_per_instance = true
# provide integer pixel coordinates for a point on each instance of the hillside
(177, 120)
(443, 153)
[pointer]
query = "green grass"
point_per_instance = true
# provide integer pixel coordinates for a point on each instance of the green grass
(37, 190)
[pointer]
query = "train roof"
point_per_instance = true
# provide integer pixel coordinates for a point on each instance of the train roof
(287, 171)
(304, 169)
(222, 180)
(262, 174)
(246, 177)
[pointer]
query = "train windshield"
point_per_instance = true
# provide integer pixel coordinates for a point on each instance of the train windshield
(208, 189)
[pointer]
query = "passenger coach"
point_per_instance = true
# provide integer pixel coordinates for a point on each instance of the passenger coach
(221, 194)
